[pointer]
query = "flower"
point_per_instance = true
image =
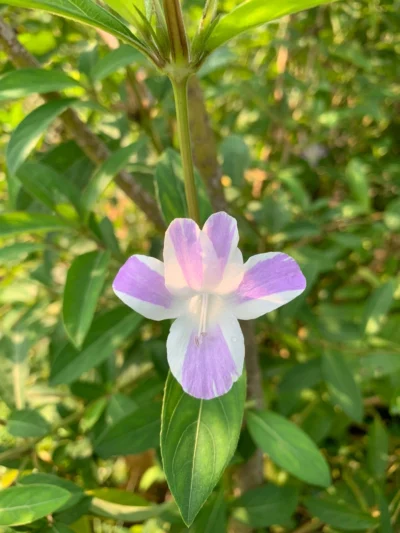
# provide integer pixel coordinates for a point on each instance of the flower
(204, 285)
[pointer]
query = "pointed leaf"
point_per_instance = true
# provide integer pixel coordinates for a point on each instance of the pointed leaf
(340, 515)
(377, 307)
(342, 387)
(105, 174)
(27, 423)
(134, 433)
(28, 132)
(107, 333)
(249, 15)
(85, 281)
(266, 506)
(198, 439)
(377, 449)
(23, 82)
(23, 505)
(288, 446)
(84, 11)
(20, 222)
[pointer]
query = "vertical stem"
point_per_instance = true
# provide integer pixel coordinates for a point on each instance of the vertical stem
(180, 88)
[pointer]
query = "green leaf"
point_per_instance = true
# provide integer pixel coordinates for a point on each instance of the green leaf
(134, 433)
(385, 525)
(198, 439)
(92, 414)
(47, 185)
(377, 307)
(18, 251)
(266, 506)
(212, 517)
(40, 478)
(107, 333)
(122, 57)
(289, 447)
(342, 387)
(23, 505)
(23, 82)
(392, 215)
(379, 364)
(357, 179)
(236, 155)
(377, 449)
(249, 15)
(85, 281)
(126, 513)
(339, 515)
(27, 423)
(28, 132)
(84, 11)
(20, 222)
(105, 174)
(170, 188)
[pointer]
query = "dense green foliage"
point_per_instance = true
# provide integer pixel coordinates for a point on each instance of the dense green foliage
(305, 115)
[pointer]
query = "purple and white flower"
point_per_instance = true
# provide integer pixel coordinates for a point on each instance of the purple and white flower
(204, 285)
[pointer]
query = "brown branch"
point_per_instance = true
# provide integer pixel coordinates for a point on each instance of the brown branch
(91, 145)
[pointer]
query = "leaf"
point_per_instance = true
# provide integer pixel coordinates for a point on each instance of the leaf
(134, 433)
(357, 179)
(266, 506)
(47, 185)
(379, 364)
(92, 414)
(289, 447)
(126, 513)
(391, 216)
(122, 57)
(107, 333)
(342, 387)
(170, 190)
(85, 281)
(377, 449)
(339, 515)
(212, 517)
(40, 478)
(385, 525)
(198, 439)
(23, 82)
(249, 15)
(17, 223)
(23, 505)
(18, 251)
(377, 307)
(236, 155)
(28, 132)
(27, 423)
(105, 174)
(84, 11)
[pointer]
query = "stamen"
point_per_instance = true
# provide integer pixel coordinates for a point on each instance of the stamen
(203, 320)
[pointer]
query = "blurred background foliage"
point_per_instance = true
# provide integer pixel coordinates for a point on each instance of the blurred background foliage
(305, 114)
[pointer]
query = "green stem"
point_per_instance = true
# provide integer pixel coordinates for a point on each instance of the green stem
(182, 115)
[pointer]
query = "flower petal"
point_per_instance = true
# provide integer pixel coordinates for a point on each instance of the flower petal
(140, 284)
(207, 369)
(270, 280)
(223, 233)
(189, 257)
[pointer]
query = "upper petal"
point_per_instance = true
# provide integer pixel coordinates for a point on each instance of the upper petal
(189, 257)
(223, 233)
(270, 280)
(140, 284)
(207, 369)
